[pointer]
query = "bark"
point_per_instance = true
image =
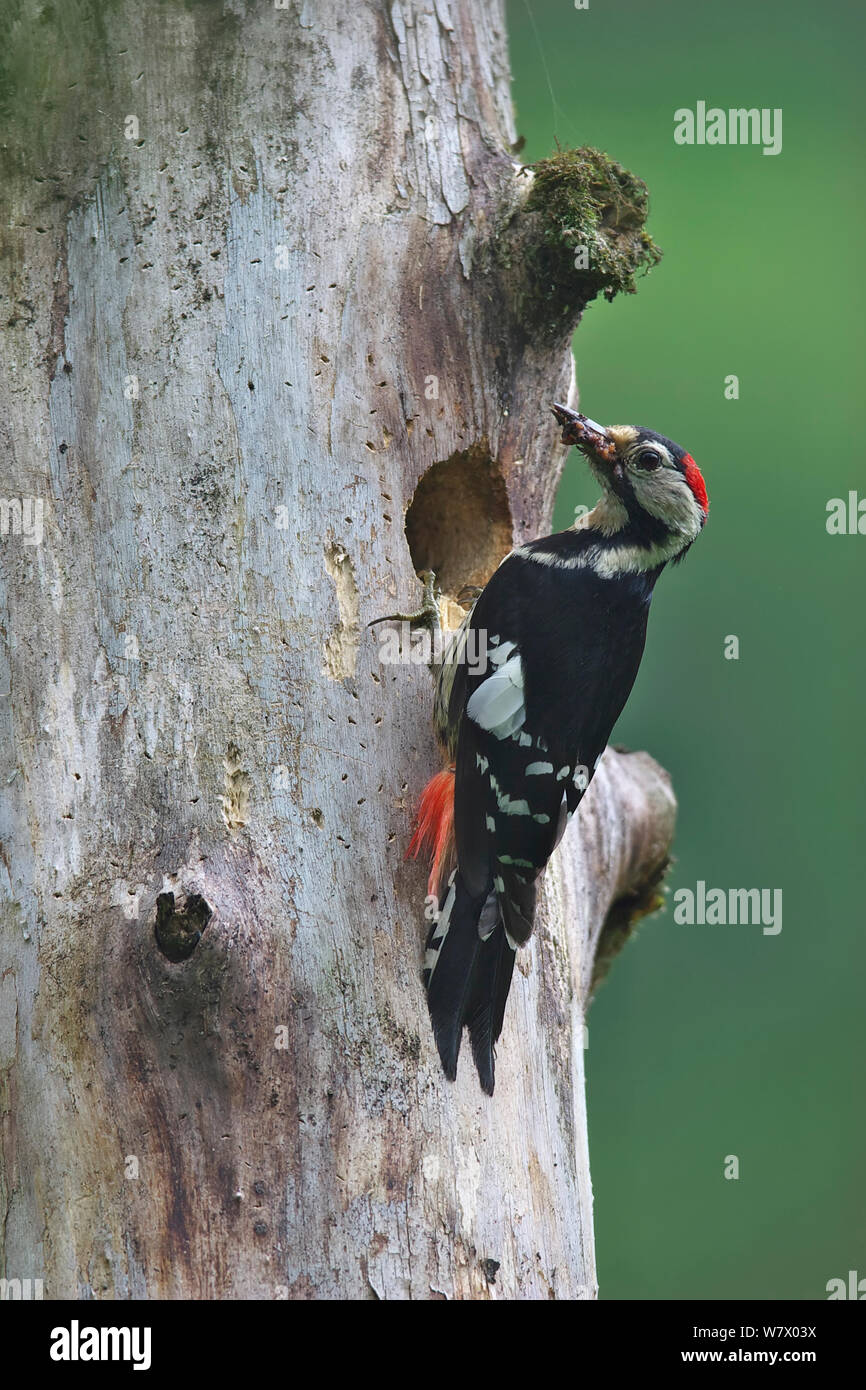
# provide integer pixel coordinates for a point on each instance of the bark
(217, 1078)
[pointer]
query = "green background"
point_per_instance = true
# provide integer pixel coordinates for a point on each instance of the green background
(709, 1040)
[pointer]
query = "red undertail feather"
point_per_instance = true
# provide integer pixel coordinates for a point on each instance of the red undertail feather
(434, 828)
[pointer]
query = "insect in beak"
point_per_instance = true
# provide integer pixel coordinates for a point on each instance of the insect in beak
(585, 433)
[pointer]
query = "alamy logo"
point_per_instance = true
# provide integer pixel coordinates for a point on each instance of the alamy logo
(737, 126)
(855, 1288)
(422, 647)
(22, 516)
(15, 1289)
(846, 520)
(76, 1343)
(738, 906)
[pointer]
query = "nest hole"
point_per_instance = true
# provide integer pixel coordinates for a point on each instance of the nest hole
(458, 523)
(178, 930)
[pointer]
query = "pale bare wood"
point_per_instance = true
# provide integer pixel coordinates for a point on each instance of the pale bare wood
(298, 243)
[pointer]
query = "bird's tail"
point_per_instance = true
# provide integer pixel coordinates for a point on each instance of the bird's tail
(470, 953)
(467, 972)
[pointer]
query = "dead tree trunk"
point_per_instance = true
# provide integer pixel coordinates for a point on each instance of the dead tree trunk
(270, 274)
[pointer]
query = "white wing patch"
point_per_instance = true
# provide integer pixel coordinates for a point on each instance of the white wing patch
(502, 653)
(497, 705)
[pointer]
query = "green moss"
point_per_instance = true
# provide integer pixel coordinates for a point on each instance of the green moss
(584, 232)
(66, 70)
(54, 85)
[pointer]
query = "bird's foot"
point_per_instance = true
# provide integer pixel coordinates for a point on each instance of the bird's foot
(427, 615)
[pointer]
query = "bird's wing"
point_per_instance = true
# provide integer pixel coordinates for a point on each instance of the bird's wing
(510, 793)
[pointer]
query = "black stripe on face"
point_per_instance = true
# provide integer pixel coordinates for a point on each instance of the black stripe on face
(642, 528)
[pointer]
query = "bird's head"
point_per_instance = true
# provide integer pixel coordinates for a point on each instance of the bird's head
(653, 489)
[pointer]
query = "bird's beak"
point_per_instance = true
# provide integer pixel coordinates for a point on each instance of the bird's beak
(585, 433)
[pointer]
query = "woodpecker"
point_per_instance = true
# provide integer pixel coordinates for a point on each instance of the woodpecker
(531, 686)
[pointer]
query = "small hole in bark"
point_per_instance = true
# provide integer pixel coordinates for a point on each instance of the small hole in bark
(458, 523)
(179, 930)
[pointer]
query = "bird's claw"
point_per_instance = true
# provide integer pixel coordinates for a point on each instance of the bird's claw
(427, 615)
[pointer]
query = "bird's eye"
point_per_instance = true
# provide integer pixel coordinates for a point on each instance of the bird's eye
(648, 458)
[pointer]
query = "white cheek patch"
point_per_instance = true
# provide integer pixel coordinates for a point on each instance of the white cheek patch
(666, 495)
(497, 705)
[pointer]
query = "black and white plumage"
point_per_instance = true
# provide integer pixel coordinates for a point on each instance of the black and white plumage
(559, 632)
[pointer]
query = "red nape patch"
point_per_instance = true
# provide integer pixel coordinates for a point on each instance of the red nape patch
(434, 826)
(695, 480)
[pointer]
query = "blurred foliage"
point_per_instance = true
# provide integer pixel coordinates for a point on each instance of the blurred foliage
(707, 1041)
